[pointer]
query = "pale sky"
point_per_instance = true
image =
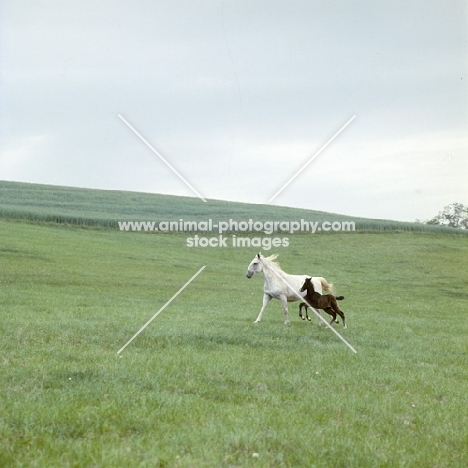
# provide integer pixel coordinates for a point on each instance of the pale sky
(237, 96)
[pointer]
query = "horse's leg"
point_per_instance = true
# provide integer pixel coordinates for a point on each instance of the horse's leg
(307, 314)
(319, 302)
(319, 319)
(284, 302)
(266, 300)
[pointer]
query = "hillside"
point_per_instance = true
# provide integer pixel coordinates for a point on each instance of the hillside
(104, 208)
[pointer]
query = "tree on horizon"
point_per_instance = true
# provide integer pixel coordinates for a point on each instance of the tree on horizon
(454, 215)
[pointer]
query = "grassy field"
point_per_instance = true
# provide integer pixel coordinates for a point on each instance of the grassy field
(104, 208)
(203, 386)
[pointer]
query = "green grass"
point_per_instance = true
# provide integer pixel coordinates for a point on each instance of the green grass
(104, 208)
(203, 386)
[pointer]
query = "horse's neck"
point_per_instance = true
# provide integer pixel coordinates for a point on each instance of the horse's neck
(270, 276)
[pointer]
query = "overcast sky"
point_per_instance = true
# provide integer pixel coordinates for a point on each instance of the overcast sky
(237, 96)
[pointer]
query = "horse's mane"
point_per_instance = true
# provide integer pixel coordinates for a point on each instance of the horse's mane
(270, 262)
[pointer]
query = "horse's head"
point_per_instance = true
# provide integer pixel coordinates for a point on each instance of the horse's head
(255, 266)
(306, 284)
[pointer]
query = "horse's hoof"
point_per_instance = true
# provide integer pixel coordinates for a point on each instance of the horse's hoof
(309, 319)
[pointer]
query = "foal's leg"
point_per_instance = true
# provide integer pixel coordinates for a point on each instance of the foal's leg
(341, 314)
(331, 312)
(266, 300)
(317, 312)
(333, 305)
(336, 309)
(301, 305)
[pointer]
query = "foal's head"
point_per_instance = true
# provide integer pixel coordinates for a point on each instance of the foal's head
(307, 285)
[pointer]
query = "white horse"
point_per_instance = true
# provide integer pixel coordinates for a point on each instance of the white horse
(275, 287)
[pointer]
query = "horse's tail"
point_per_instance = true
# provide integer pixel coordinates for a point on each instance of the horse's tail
(339, 298)
(326, 285)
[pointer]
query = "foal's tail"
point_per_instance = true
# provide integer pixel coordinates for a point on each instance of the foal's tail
(326, 285)
(339, 298)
